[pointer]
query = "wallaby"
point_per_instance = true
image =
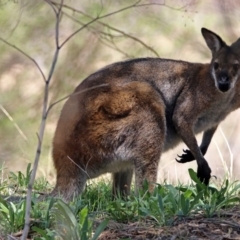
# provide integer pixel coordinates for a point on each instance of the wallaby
(122, 117)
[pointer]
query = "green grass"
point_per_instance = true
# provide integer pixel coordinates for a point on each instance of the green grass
(88, 215)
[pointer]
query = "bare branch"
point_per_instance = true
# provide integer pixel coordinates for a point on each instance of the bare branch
(14, 123)
(95, 19)
(73, 94)
(129, 7)
(78, 166)
(132, 37)
(136, 4)
(43, 123)
(73, 34)
(113, 46)
(52, 6)
(58, 16)
(116, 30)
(26, 55)
(16, 25)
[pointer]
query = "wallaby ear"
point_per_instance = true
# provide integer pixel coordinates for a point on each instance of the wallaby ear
(214, 42)
(236, 45)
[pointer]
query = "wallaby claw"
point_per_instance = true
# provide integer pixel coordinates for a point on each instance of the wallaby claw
(179, 161)
(186, 157)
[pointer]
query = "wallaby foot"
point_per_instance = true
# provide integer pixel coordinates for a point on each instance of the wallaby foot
(146, 172)
(204, 172)
(122, 183)
(68, 188)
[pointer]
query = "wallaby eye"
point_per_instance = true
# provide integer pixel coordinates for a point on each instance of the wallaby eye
(236, 66)
(216, 65)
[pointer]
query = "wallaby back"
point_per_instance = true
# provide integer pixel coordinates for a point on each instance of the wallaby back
(121, 118)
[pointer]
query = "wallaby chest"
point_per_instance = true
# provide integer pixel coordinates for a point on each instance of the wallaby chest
(211, 117)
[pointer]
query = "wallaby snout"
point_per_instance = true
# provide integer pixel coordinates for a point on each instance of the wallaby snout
(224, 82)
(225, 77)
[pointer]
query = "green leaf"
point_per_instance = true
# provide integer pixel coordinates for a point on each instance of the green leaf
(160, 203)
(100, 229)
(40, 231)
(65, 209)
(173, 200)
(185, 206)
(83, 215)
(48, 211)
(4, 202)
(194, 177)
(188, 193)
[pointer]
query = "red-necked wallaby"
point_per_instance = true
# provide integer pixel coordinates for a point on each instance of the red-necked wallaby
(121, 118)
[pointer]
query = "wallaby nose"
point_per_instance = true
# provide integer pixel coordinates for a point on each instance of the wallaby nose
(223, 77)
(224, 81)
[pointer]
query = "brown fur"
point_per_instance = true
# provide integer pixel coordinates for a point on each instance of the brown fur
(146, 107)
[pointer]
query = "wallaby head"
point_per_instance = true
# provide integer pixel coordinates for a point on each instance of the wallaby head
(225, 61)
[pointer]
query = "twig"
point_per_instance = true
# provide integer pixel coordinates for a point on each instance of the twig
(129, 7)
(43, 122)
(95, 19)
(225, 214)
(10, 237)
(26, 55)
(221, 221)
(73, 94)
(136, 4)
(83, 170)
(14, 123)
(230, 153)
(104, 40)
(118, 31)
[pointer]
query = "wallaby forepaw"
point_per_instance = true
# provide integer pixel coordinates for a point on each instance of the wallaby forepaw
(187, 156)
(204, 173)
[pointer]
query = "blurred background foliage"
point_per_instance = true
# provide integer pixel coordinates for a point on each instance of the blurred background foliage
(167, 29)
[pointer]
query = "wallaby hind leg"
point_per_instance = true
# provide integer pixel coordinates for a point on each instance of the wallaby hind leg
(148, 151)
(71, 178)
(68, 187)
(122, 183)
(146, 172)
(145, 133)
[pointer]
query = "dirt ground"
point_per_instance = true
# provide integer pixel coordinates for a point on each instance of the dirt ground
(222, 226)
